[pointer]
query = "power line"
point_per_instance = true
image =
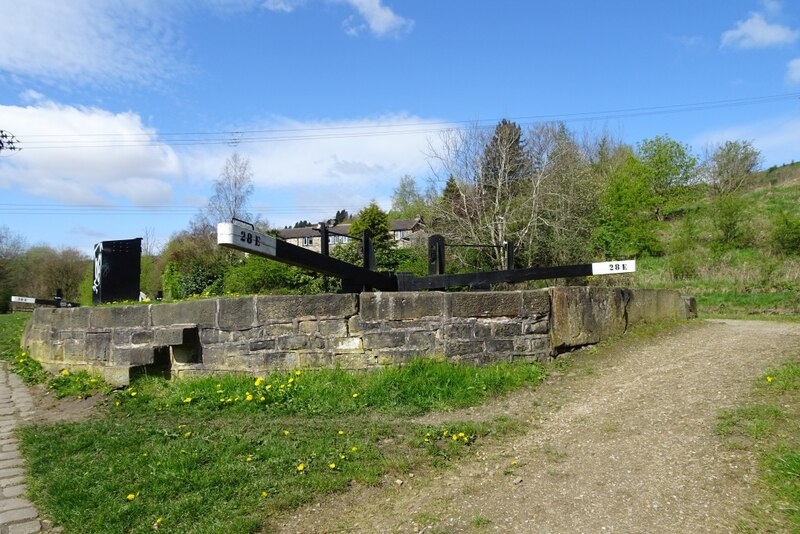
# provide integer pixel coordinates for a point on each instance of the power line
(275, 135)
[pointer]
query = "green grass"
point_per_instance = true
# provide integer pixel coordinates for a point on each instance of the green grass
(11, 327)
(770, 426)
(230, 453)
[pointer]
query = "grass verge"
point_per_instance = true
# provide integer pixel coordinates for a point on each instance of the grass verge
(226, 454)
(770, 426)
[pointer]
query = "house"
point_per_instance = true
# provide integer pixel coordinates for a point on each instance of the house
(404, 231)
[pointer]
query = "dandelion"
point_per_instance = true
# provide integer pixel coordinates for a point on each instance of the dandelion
(332, 466)
(259, 381)
(262, 398)
(264, 494)
(269, 386)
(188, 434)
(290, 380)
(353, 449)
(248, 397)
(513, 462)
(301, 467)
(187, 400)
(355, 395)
(248, 459)
(25, 354)
(220, 391)
(116, 403)
(341, 432)
(64, 372)
(131, 496)
(770, 379)
(286, 432)
(342, 457)
(454, 437)
(133, 393)
(460, 434)
(219, 385)
(159, 520)
(296, 373)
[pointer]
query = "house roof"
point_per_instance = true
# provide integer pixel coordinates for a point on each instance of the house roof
(396, 225)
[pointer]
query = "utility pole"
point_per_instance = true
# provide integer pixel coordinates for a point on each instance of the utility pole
(8, 142)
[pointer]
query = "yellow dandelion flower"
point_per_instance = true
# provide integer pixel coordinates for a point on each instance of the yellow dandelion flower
(219, 385)
(249, 397)
(454, 437)
(465, 440)
(262, 398)
(25, 354)
(301, 467)
(298, 373)
(220, 391)
(116, 403)
(286, 432)
(187, 400)
(188, 434)
(460, 434)
(353, 449)
(290, 380)
(133, 393)
(248, 459)
(259, 381)
(64, 372)
(159, 520)
(770, 379)
(264, 494)
(342, 457)
(332, 466)
(131, 496)
(269, 386)
(341, 432)
(355, 395)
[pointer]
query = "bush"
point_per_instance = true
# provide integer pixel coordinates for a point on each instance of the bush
(731, 220)
(785, 235)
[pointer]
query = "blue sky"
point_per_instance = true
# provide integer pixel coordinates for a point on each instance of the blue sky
(127, 109)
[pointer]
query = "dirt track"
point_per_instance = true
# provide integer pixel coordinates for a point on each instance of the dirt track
(624, 442)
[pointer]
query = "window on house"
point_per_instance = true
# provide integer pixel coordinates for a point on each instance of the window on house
(308, 241)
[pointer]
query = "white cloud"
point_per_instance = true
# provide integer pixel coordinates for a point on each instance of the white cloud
(380, 20)
(81, 155)
(86, 42)
(756, 32)
(793, 71)
(282, 6)
(772, 7)
(777, 138)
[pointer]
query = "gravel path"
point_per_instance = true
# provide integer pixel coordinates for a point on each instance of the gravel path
(622, 443)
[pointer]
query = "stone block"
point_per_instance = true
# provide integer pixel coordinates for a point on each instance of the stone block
(237, 313)
(289, 307)
(142, 336)
(690, 304)
(63, 318)
(401, 306)
(293, 342)
(507, 328)
(586, 315)
(281, 361)
(483, 329)
(279, 329)
(262, 344)
(463, 347)
(333, 327)
(486, 304)
(382, 340)
(536, 303)
(340, 344)
(315, 359)
(308, 327)
(177, 334)
(202, 313)
(350, 360)
(115, 375)
(121, 317)
(499, 345)
(535, 326)
(209, 336)
(463, 329)
(422, 341)
(98, 346)
(397, 357)
(132, 355)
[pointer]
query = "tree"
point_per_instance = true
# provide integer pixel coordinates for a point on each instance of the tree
(670, 167)
(407, 201)
(11, 248)
(376, 221)
(231, 197)
(729, 166)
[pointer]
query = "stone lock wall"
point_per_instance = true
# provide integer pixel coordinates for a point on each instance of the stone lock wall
(266, 333)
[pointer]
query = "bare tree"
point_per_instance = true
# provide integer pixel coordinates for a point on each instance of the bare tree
(728, 166)
(231, 198)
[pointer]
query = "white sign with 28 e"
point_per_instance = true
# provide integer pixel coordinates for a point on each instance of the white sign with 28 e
(614, 267)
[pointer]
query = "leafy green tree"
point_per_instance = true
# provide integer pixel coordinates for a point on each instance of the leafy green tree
(373, 219)
(731, 218)
(625, 226)
(407, 201)
(785, 234)
(669, 169)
